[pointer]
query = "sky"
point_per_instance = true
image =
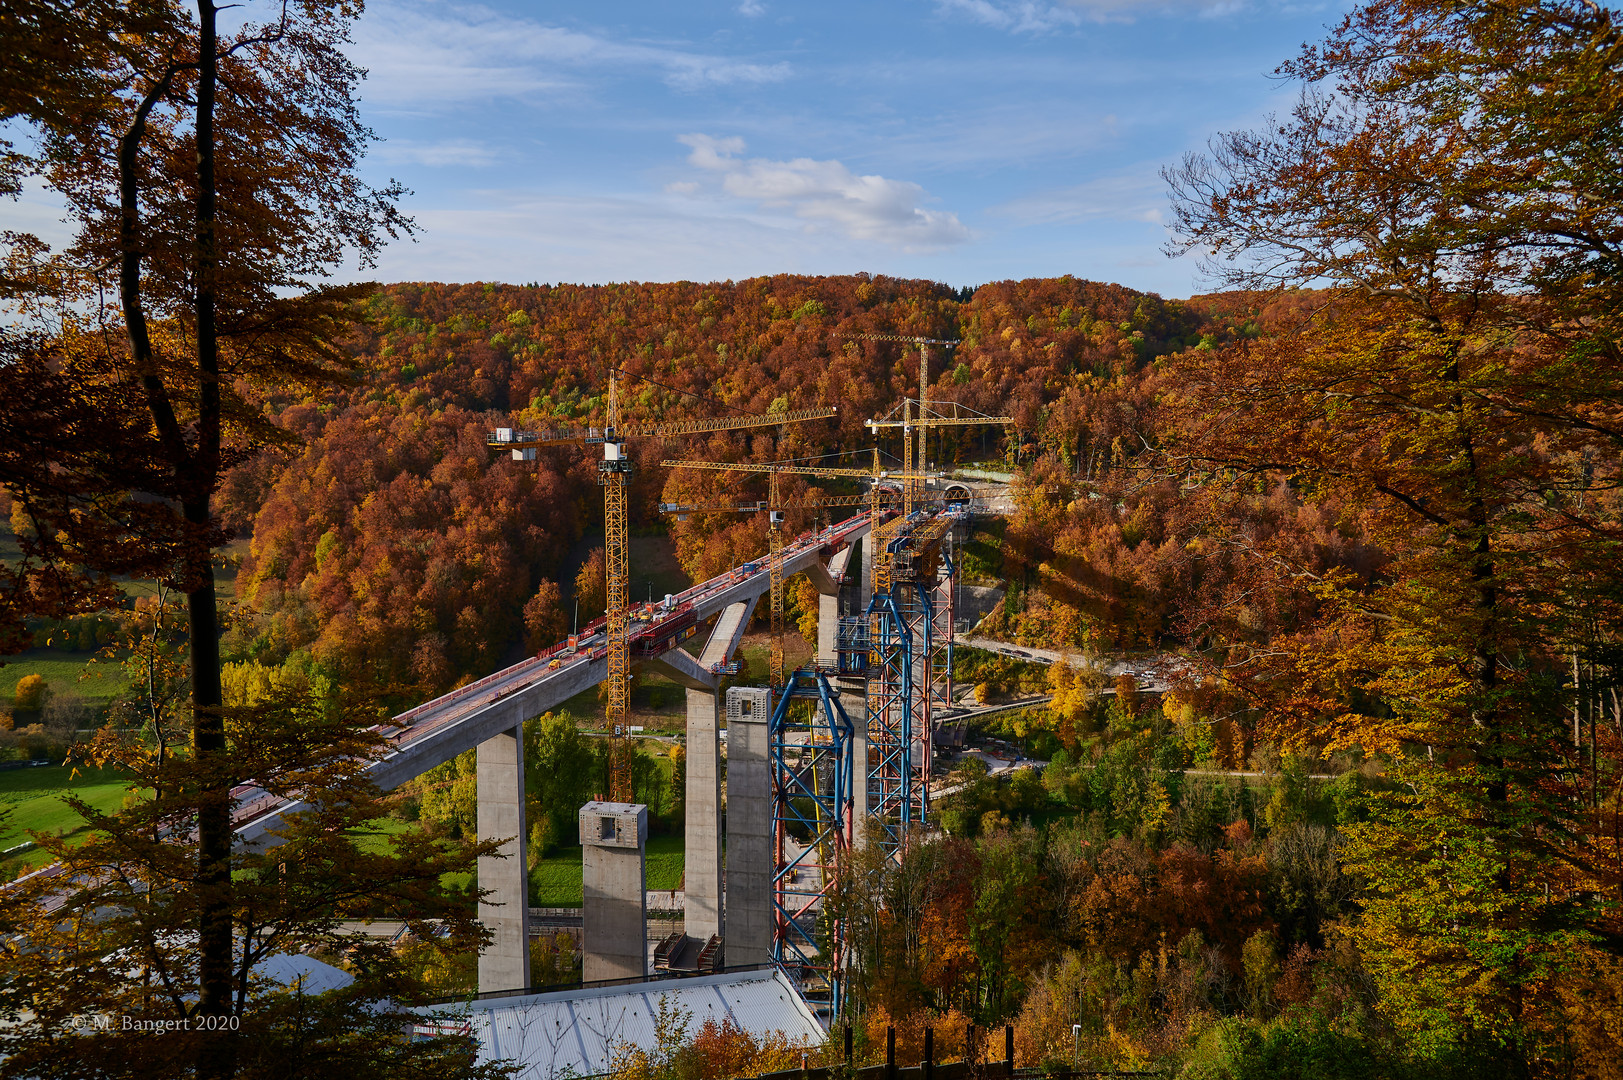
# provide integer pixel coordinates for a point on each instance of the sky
(962, 141)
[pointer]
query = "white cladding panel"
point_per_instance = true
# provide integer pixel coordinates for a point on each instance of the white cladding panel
(573, 1032)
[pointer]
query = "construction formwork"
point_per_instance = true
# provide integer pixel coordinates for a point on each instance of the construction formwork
(908, 637)
(943, 613)
(896, 798)
(810, 744)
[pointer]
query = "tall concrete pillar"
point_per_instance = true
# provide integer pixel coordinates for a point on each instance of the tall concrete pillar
(702, 859)
(750, 856)
(614, 876)
(867, 568)
(827, 580)
(505, 963)
(828, 629)
(854, 700)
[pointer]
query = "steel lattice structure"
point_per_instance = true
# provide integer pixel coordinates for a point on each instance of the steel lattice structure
(612, 474)
(812, 775)
(943, 612)
(905, 633)
(892, 790)
(613, 470)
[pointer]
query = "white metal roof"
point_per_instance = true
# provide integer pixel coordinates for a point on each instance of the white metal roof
(575, 1032)
(313, 975)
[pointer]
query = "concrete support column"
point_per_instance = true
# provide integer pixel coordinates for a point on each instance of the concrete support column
(702, 860)
(750, 855)
(828, 581)
(854, 700)
(702, 829)
(505, 963)
(828, 627)
(867, 569)
(614, 877)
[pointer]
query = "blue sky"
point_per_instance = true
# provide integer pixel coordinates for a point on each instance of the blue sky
(963, 141)
(959, 140)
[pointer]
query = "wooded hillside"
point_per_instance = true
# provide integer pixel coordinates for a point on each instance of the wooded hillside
(392, 545)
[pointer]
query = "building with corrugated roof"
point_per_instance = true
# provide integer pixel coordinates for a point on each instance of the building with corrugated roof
(576, 1032)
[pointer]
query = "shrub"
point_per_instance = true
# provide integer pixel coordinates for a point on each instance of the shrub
(32, 690)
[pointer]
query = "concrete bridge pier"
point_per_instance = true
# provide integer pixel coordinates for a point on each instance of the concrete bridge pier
(750, 829)
(614, 883)
(702, 861)
(505, 962)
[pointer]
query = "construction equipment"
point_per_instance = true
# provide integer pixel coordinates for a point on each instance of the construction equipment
(930, 672)
(924, 392)
(813, 773)
(903, 634)
(775, 518)
(613, 472)
(927, 418)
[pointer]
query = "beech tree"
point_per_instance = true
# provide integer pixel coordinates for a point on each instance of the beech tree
(1450, 170)
(112, 935)
(212, 180)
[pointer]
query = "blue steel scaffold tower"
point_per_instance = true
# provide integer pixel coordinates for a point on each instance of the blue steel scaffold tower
(894, 796)
(895, 646)
(811, 766)
(903, 625)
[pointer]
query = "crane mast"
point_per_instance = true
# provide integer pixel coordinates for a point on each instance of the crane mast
(614, 470)
(774, 544)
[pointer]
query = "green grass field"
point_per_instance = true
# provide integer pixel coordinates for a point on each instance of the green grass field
(665, 861)
(36, 798)
(62, 670)
(556, 882)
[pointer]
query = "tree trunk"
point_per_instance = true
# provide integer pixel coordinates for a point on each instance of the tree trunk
(217, 1050)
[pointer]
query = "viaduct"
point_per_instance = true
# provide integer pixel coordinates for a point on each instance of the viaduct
(488, 716)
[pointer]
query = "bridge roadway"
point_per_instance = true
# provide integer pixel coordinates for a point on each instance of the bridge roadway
(439, 730)
(453, 723)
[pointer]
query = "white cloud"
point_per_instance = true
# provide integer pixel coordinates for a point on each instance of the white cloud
(710, 152)
(518, 236)
(752, 9)
(1040, 16)
(1016, 16)
(435, 53)
(1134, 196)
(826, 192)
(38, 210)
(462, 152)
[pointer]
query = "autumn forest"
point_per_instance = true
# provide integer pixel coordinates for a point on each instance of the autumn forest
(1363, 500)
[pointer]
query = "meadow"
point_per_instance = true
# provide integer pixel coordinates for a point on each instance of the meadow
(36, 797)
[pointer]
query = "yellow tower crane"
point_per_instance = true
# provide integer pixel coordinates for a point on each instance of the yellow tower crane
(775, 517)
(613, 472)
(927, 417)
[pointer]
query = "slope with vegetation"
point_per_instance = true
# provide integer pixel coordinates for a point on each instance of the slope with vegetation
(1370, 494)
